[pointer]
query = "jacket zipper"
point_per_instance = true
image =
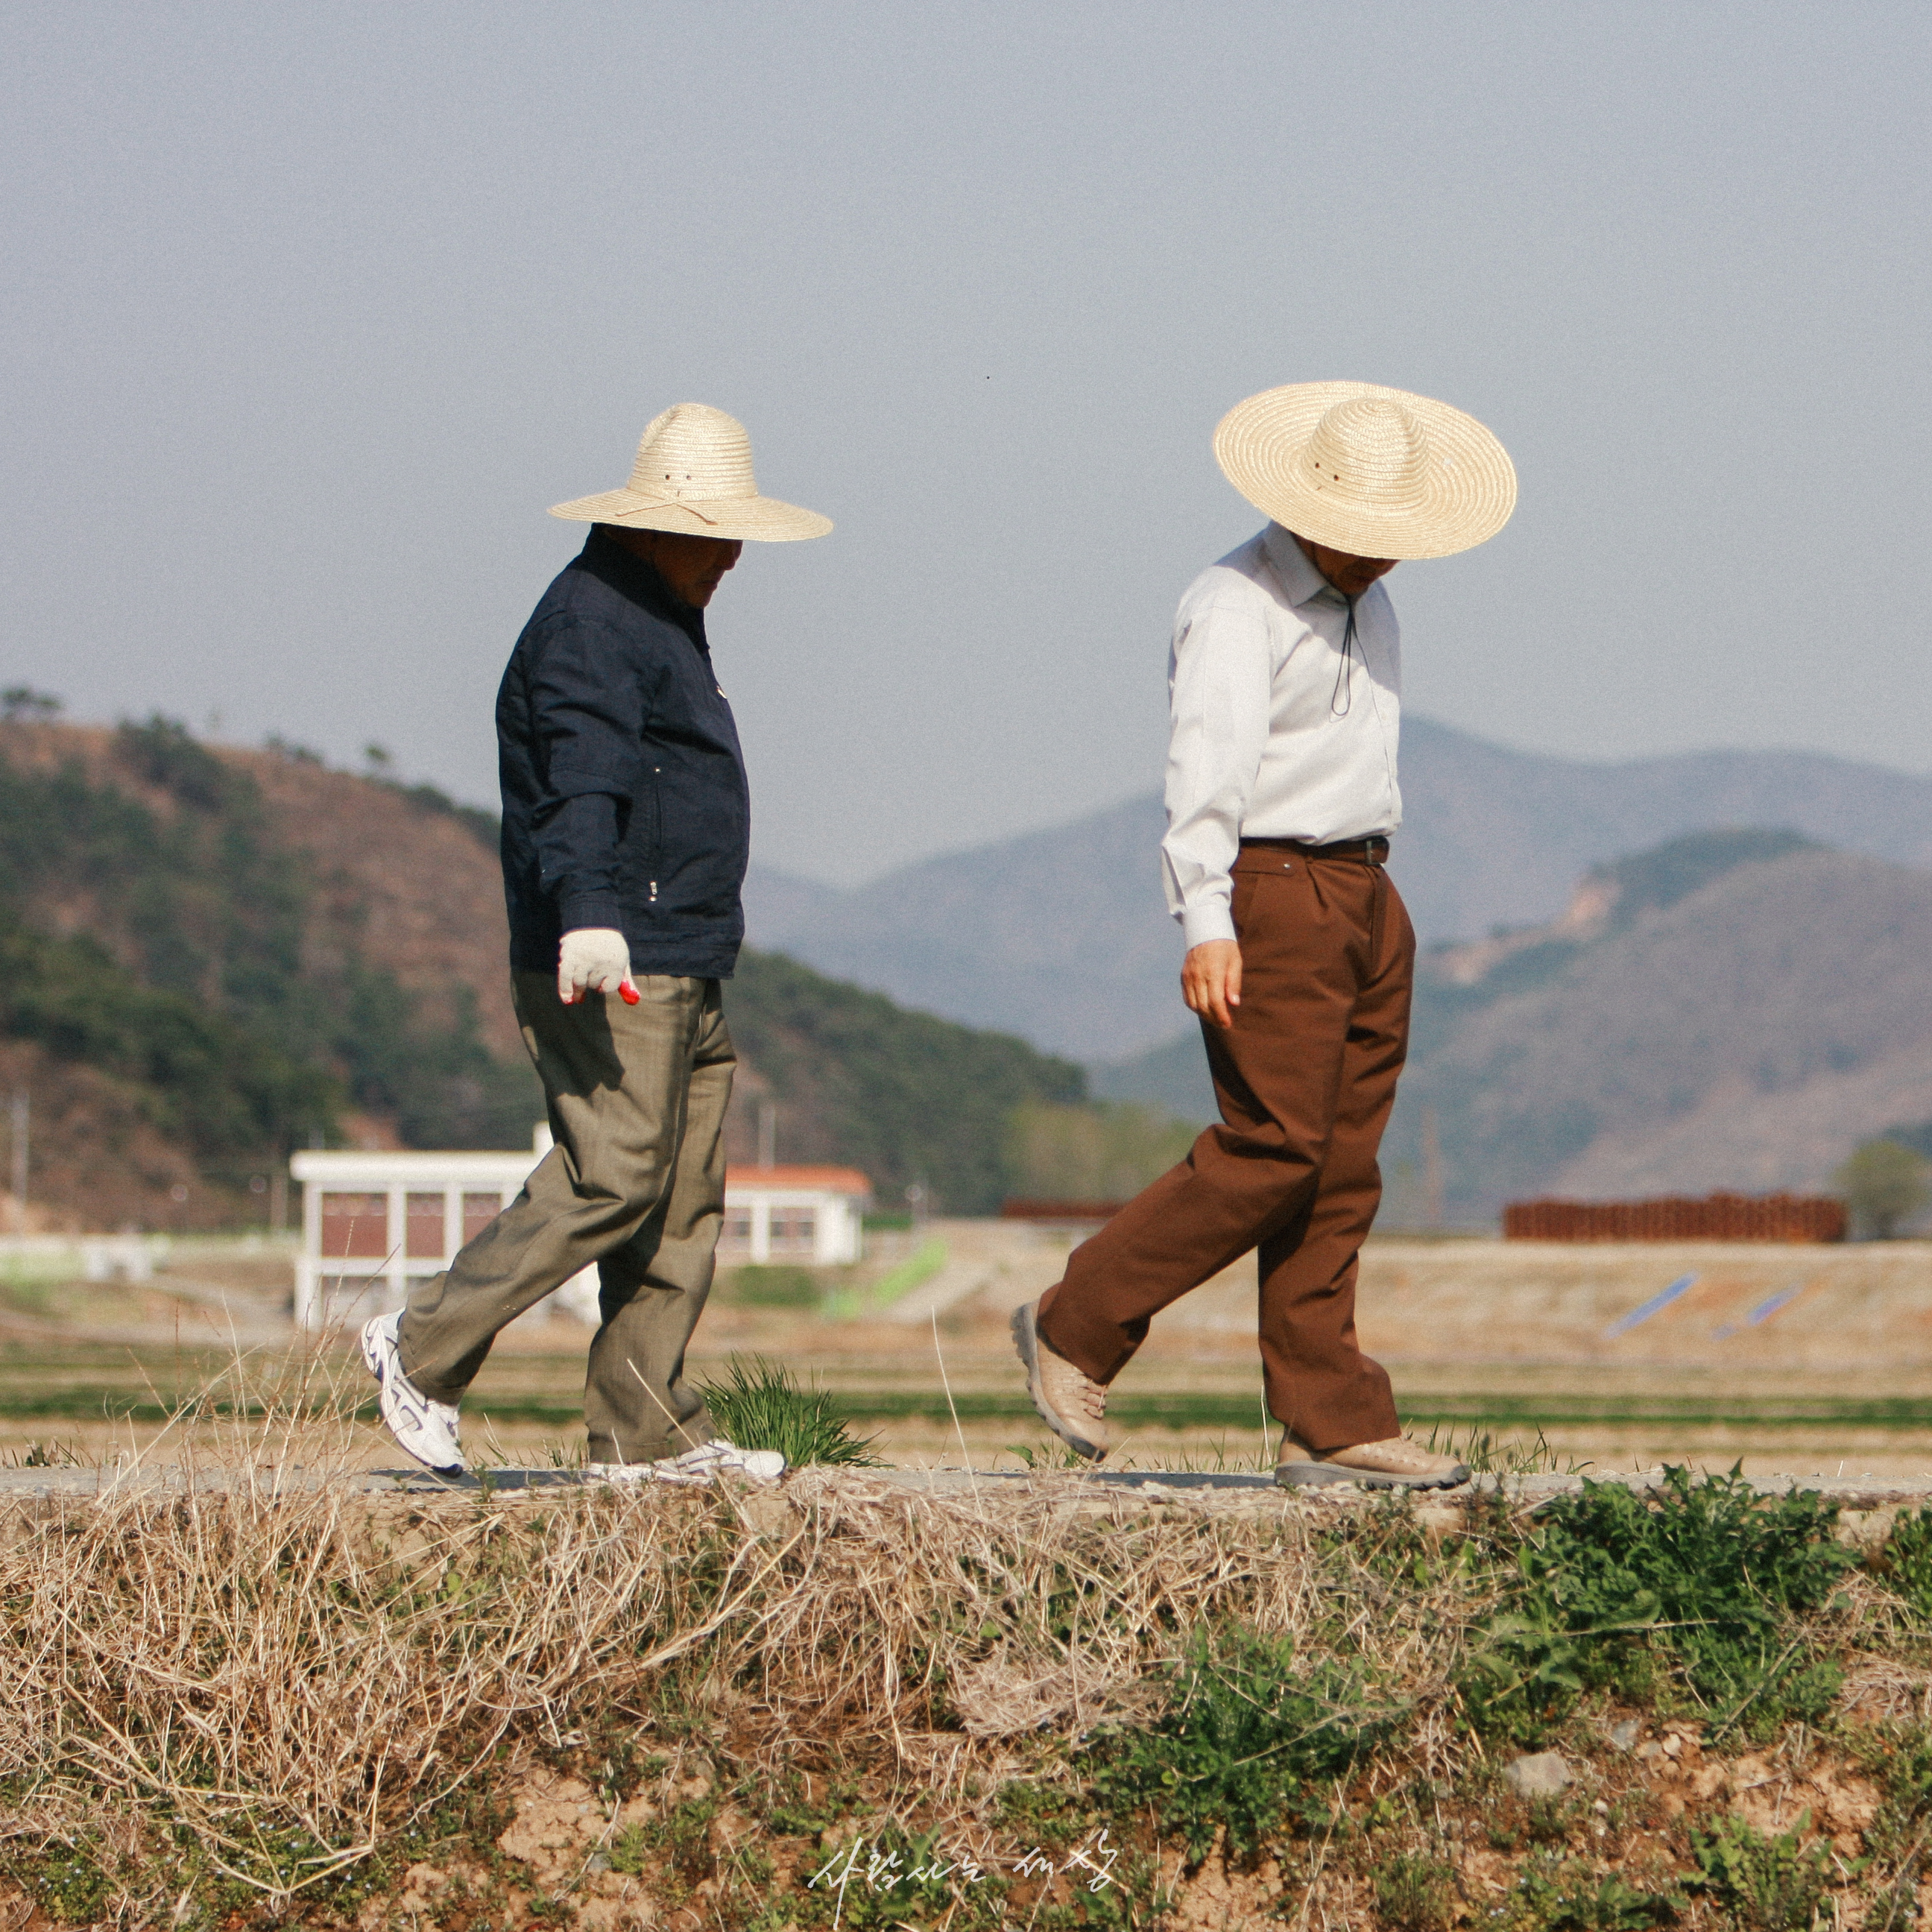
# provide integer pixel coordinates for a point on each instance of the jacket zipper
(657, 827)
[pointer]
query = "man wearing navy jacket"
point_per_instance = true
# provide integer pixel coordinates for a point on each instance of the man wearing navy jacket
(626, 827)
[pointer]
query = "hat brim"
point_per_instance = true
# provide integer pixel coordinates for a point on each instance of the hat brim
(741, 519)
(1470, 487)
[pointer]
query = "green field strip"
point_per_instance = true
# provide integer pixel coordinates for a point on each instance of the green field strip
(1236, 1412)
(96, 1401)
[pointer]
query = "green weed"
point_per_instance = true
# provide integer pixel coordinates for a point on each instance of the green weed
(1052, 1815)
(1899, 1756)
(674, 1847)
(1246, 1742)
(792, 1810)
(1906, 1562)
(759, 1406)
(631, 1852)
(1554, 1894)
(1764, 1884)
(68, 1883)
(1894, 1905)
(1415, 1892)
(1701, 1581)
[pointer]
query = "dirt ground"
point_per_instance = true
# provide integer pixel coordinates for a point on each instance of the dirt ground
(1486, 1329)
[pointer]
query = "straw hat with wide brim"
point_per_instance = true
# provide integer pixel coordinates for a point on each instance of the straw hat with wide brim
(1374, 472)
(693, 474)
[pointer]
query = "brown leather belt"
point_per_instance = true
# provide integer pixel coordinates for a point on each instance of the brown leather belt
(1362, 851)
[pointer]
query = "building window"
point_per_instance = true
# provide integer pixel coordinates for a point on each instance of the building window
(424, 1227)
(793, 1227)
(355, 1226)
(479, 1211)
(738, 1226)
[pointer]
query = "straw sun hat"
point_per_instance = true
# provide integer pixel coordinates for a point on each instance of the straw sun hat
(693, 474)
(1374, 472)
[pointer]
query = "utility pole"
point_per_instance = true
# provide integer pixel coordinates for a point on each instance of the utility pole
(1432, 1168)
(17, 1114)
(768, 1131)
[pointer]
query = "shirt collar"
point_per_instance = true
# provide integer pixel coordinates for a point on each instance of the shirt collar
(1301, 582)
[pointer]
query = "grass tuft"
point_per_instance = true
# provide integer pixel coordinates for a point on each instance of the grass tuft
(759, 1406)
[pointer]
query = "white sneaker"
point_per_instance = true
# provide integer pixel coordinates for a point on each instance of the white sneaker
(426, 1429)
(701, 1464)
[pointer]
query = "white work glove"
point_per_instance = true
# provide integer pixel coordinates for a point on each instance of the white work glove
(594, 959)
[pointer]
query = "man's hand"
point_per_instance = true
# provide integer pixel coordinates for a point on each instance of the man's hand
(594, 959)
(1211, 980)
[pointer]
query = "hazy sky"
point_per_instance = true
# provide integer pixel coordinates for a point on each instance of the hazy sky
(310, 311)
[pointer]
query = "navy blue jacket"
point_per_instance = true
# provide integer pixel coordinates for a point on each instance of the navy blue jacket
(625, 803)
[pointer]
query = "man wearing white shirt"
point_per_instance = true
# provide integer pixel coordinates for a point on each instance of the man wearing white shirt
(1284, 682)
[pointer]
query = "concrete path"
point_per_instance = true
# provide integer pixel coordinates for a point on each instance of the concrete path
(1208, 1489)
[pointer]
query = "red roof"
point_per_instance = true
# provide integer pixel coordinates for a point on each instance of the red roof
(799, 1180)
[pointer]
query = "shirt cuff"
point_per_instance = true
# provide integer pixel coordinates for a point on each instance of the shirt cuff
(579, 910)
(1210, 920)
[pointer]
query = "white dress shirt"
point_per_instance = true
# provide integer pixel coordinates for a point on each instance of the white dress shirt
(1275, 734)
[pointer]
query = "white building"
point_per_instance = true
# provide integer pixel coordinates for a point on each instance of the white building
(812, 1216)
(374, 1221)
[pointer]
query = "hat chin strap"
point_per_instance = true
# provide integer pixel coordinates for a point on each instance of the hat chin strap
(674, 504)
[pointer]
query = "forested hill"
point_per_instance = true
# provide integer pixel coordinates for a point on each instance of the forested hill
(209, 956)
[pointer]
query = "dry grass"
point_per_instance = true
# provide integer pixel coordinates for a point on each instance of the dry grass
(288, 1702)
(264, 1686)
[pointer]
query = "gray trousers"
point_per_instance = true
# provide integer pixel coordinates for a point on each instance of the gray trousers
(635, 1183)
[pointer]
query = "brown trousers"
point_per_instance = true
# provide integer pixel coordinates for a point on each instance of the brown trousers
(1305, 1078)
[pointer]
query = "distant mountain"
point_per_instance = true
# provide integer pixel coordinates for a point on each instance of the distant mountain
(1062, 936)
(209, 955)
(1745, 1033)
(1494, 837)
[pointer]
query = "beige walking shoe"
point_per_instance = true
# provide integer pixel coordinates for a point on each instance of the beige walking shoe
(1071, 1406)
(1398, 1463)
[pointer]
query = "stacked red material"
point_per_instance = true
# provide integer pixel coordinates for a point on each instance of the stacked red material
(1015, 1210)
(1718, 1217)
